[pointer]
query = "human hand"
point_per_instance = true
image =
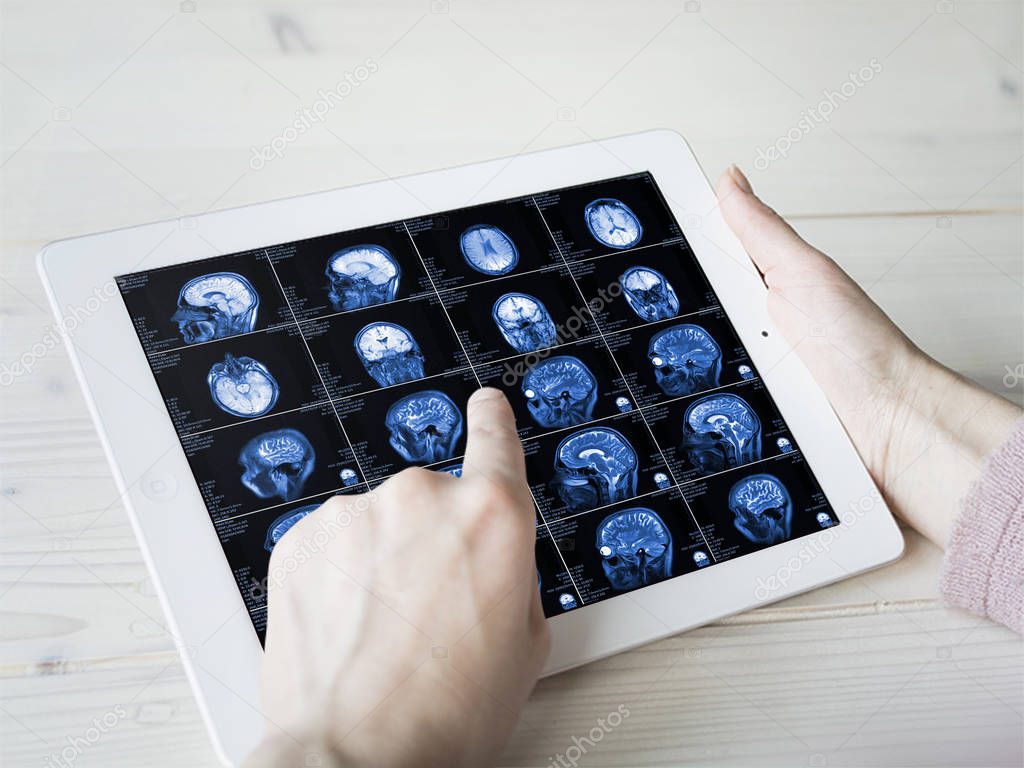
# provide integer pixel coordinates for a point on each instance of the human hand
(922, 430)
(415, 636)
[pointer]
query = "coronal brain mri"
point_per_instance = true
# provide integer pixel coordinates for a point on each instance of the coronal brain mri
(424, 426)
(762, 509)
(721, 431)
(488, 250)
(242, 386)
(649, 294)
(594, 467)
(389, 353)
(524, 322)
(612, 223)
(216, 306)
(635, 548)
(560, 392)
(277, 463)
(686, 359)
(361, 276)
(283, 524)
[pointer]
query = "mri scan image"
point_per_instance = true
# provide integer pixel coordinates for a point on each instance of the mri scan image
(686, 359)
(611, 222)
(348, 477)
(277, 463)
(361, 276)
(635, 548)
(216, 306)
(455, 470)
(242, 386)
(594, 467)
(488, 250)
(424, 426)
(649, 294)
(281, 525)
(560, 392)
(721, 431)
(524, 322)
(762, 509)
(389, 353)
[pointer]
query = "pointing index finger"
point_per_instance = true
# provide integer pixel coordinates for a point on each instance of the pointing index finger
(493, 449)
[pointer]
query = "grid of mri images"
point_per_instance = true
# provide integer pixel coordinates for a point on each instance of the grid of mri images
(324, 366)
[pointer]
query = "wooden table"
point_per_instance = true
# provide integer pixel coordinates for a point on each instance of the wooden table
(116, 113)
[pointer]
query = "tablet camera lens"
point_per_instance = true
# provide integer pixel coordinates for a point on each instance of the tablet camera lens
(762, 509)
(560, 392)
(424, 427)
(594, 467)
(686, 360)
(524, 322)
(720, 432)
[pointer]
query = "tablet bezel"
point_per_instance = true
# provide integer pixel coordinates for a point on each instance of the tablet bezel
(219, 648)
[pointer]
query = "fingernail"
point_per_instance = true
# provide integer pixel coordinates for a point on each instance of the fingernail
(486, 393)
(741, 181)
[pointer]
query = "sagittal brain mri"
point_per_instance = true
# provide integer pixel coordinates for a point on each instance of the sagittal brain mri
(686, 359)
(216, 306)
(361, 276)
(242, 386)
(635, 548)
(389, 353)
(721, 431)
(560, 392)
(282, 524)
(524, 322)
(612, 223)
(649, 294)
(277, 463)
(488, 250)
(424, 426)
(594, 467)
(762, 509)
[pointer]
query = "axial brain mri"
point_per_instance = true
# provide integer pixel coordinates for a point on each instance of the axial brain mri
(361, 276)
(524, 322)
(277, 463)
(424, 426)
(560, 392)
(594, 467)
(216, 306)
(635, 548)
(612, 223)
(242, 386)
(488, 250)
(649, 294)
(686, 359)
(762, 509)
(389, 353)
(721, 431)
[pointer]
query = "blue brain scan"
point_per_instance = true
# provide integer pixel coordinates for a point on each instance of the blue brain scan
(277, 463)
(361, 276)
(488, 250)
(283, 524)
(612, 223)
(762, 509)
(824, 519)
(721, 431)
(348, 477)
(686, 359)
(242, 386)
(216, 306)
(424, 426)
(635, 548)
(594, 467)
(700, 559)
(524, 322)
(567, 601)
(389, 353)
(455, 470)
(560, 392)
(649, 294)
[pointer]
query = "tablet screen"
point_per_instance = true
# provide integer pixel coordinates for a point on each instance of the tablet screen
(323, 366)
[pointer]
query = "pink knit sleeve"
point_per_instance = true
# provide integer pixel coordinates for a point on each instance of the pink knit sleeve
(984, 566)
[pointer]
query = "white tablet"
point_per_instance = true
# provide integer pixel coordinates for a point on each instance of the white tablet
(244, 366)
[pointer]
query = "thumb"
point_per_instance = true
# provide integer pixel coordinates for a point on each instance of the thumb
(770, 242)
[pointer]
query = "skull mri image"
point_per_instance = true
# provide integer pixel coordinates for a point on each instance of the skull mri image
(488, 250)
(242, 386)
(277, 463)
(361, 276)
(216, 306)
(560, 392)
(424, 426)
(612, 223)
(635, 548)
(594, 467)
(721, 431)
(389, 353)
(649, 294)
(762, 509)
(283, 524)
(524, 322)
(686, 359)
